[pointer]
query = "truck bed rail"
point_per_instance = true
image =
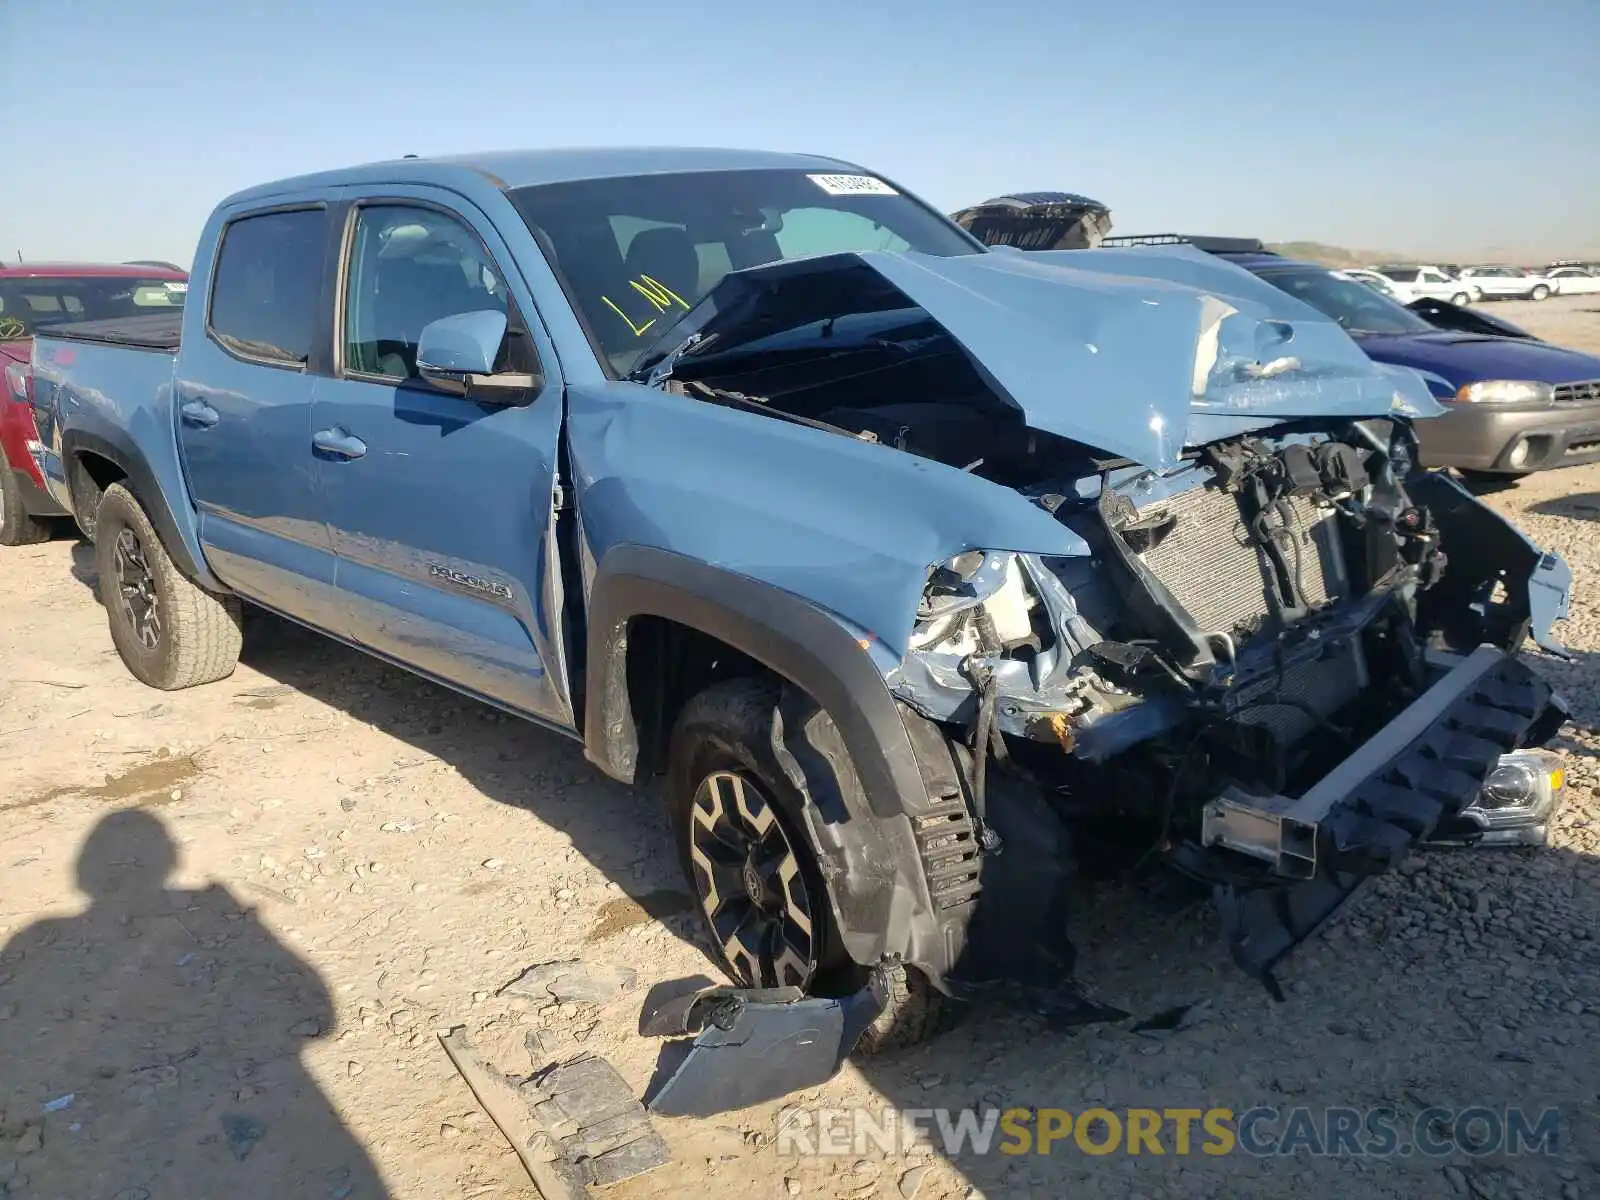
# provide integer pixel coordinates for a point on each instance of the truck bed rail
(153, 331)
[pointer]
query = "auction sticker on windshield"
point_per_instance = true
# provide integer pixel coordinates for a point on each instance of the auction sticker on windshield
(852, 185)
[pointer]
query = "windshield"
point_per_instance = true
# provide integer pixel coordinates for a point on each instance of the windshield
(28, 304)
(636, 252)
(1357, 309)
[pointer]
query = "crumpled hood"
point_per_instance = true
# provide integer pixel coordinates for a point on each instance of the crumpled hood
(1136, 352)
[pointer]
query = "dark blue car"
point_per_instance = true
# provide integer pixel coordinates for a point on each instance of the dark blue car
(1517, 404)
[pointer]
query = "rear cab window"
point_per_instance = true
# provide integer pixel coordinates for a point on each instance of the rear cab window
(29, 304)
(266, 286)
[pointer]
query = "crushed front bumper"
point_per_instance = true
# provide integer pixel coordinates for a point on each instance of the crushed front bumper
(1280, 867)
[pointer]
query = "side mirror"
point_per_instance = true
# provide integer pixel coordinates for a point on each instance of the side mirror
(456, 354)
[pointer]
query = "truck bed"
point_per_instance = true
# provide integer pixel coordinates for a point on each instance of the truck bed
(152, 331)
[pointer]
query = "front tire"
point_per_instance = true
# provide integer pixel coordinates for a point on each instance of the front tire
(1461, 299)
(1491, 479)
(1539, 293)
(738, 826)
(18, 527)
(170, 632)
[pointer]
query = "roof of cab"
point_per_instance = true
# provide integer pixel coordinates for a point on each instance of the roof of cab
(506, 169)
(1264, 261)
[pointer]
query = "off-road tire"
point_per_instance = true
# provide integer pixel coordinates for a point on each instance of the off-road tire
(18, 527)
(199, 634)
(729, 726)
(917, 1012)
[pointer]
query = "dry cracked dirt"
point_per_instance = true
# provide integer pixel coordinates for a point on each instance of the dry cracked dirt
(234, 918)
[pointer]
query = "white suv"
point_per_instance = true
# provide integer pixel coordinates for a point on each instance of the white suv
(1574, 281)
(1507, 283)
(1412, 282)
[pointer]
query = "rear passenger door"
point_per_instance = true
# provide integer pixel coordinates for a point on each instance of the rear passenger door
(441, 507)
(243, 400)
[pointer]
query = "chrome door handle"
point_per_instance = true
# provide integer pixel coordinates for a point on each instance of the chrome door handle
(199, 414)
(338, 443)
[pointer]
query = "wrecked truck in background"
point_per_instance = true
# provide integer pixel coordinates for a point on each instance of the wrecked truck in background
(927, 575)
(1038, 221)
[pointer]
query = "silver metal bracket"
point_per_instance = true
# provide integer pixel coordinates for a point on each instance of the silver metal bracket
(1262, 827)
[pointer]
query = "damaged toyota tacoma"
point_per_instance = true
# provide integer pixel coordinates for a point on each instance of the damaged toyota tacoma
(930, 577)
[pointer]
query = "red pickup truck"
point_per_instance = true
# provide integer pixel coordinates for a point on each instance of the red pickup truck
(32, 297)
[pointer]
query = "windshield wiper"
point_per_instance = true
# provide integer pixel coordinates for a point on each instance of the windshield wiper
(652, 369)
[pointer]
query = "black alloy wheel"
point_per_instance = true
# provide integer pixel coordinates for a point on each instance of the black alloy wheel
(749, 883)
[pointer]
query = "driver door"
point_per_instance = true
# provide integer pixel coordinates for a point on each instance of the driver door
(440, 507)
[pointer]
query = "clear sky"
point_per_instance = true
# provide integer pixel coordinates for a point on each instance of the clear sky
(1453, 129)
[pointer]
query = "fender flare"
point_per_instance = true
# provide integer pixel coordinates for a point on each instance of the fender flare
(140, 480)
(791, 637)
(879, 894)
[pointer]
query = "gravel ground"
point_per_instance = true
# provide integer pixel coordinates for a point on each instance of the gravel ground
(359, 859)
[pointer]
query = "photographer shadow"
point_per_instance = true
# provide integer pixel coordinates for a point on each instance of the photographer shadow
(152, 1043)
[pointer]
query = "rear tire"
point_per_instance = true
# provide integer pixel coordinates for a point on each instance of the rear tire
(170, 632)
(18, 527)
(1539, 293)
(1461, 299)
(722, 770)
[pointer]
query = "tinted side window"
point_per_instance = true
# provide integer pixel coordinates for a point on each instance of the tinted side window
(266, 284)
(409, 266)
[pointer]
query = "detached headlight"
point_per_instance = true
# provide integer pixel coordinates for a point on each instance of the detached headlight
(1519, 799)
(1507, 391)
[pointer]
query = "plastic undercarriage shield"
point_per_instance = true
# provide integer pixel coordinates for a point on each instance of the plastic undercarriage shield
(750, 1045)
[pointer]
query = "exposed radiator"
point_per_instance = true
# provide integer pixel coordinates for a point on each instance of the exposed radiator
(1210, 566)
(1222, 579)
(1323, 685)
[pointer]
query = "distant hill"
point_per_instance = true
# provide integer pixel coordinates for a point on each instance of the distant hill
(1335, 256)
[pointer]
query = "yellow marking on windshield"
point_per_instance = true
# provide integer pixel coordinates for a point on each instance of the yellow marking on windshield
(638, 330)
(659, 296)
(658, 293)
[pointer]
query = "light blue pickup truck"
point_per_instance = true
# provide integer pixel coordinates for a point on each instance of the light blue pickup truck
(929, 576)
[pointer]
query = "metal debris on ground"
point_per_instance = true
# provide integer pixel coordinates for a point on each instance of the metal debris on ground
(572, 1124)
(596, 1120)
(572, 980)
